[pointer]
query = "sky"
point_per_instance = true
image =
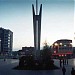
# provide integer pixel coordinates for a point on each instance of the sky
(57, 21)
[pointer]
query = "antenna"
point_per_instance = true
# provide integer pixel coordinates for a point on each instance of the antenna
(36, 7)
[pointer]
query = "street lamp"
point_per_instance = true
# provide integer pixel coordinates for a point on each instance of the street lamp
(61, 44)
(56, 44)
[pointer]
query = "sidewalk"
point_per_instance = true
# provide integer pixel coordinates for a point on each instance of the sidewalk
(6, 69)
(68, 67)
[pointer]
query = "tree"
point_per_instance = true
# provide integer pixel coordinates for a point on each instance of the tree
(46, 54)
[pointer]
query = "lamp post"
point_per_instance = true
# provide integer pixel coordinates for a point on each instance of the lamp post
(56, 47)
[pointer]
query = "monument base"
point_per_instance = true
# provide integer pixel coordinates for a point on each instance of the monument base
(28, 63)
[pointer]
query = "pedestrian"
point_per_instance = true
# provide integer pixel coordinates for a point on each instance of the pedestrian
(60, 62)
(67, 61)
(64, 70)
(4, 59)
(63, 62)
(72, 71)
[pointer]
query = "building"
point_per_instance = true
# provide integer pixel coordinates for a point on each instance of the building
(6, 41)
(61, 48)
(15, 54)
(37, 29)
(26, 51)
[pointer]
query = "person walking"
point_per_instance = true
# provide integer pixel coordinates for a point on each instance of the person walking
(64, 70)
(72, 71)
(60, 63)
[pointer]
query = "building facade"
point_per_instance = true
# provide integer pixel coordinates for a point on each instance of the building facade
(6, 41)
(26, 51)
(61, 48)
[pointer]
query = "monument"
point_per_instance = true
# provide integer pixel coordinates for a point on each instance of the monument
(36, 62)
(37, 29)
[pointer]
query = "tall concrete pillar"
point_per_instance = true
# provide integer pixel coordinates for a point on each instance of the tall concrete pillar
(37, 29)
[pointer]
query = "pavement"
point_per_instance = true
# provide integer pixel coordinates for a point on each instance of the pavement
(6, 68)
